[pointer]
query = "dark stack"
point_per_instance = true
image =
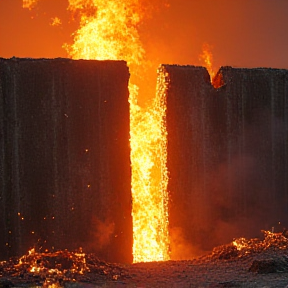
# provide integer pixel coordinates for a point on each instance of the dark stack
(64, 157)
(227, 153)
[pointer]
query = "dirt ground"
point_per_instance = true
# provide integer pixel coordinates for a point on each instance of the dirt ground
(202, 272)
(205, 272)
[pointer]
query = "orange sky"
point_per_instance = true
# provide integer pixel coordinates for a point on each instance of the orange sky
(243, 33)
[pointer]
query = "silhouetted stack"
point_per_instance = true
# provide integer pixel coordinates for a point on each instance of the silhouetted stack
(227, 153)
(64, 158)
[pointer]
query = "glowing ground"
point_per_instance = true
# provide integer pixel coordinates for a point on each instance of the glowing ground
(261, 263)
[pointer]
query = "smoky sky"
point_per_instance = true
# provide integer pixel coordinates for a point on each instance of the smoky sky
(242, 33)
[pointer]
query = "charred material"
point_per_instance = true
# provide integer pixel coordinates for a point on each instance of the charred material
(242, 247)
(44, 269)
(64, 157)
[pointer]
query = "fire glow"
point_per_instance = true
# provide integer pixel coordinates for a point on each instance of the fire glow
(108, 31)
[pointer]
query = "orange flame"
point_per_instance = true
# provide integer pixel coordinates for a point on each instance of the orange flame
(108, 31)
(34, 262)
(240, 243)
(207, 57)
(149, 177)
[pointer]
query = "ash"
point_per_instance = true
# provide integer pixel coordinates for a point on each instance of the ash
(242, 263)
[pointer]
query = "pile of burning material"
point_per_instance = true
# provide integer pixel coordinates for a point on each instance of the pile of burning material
(58, 268)
(242, 247)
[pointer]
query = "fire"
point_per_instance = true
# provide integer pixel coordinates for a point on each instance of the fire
(55, 269)
(271, 241)
(243, 247)
(50, 262)
(207, 57)
(240, 243)
(108, 30)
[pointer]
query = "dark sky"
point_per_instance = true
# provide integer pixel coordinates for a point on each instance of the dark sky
(243, 33)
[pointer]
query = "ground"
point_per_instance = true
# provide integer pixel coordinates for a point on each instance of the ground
(244, 263)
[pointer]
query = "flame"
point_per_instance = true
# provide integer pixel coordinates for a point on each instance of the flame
(108, 30)
(240, 243)
(207, 57)
(150, 177)
(271, 239)
(54, 269)
(29, 4)
(243, 247)
(37, 262)
(218, 80)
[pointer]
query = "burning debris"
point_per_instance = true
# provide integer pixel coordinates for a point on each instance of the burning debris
(109, 31)
(269, 255)
(227, 266)
(58, 268)
(243, 247)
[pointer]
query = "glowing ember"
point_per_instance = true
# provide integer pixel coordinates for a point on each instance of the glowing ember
(242, 247)
(53, 269)
(240, 243)
(54, 262)
(271, 240)
(55, 21)
(218, 80)
(109, 31)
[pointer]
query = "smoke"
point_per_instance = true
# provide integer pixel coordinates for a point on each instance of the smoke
(102, 233)
(216, 218)
(243, 193)
(181, 248)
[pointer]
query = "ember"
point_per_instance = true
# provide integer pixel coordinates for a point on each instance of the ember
(242, 247)
(241, 267)
(59, 267)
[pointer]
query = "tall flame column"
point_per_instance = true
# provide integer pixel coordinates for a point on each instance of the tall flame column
(149, 177)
